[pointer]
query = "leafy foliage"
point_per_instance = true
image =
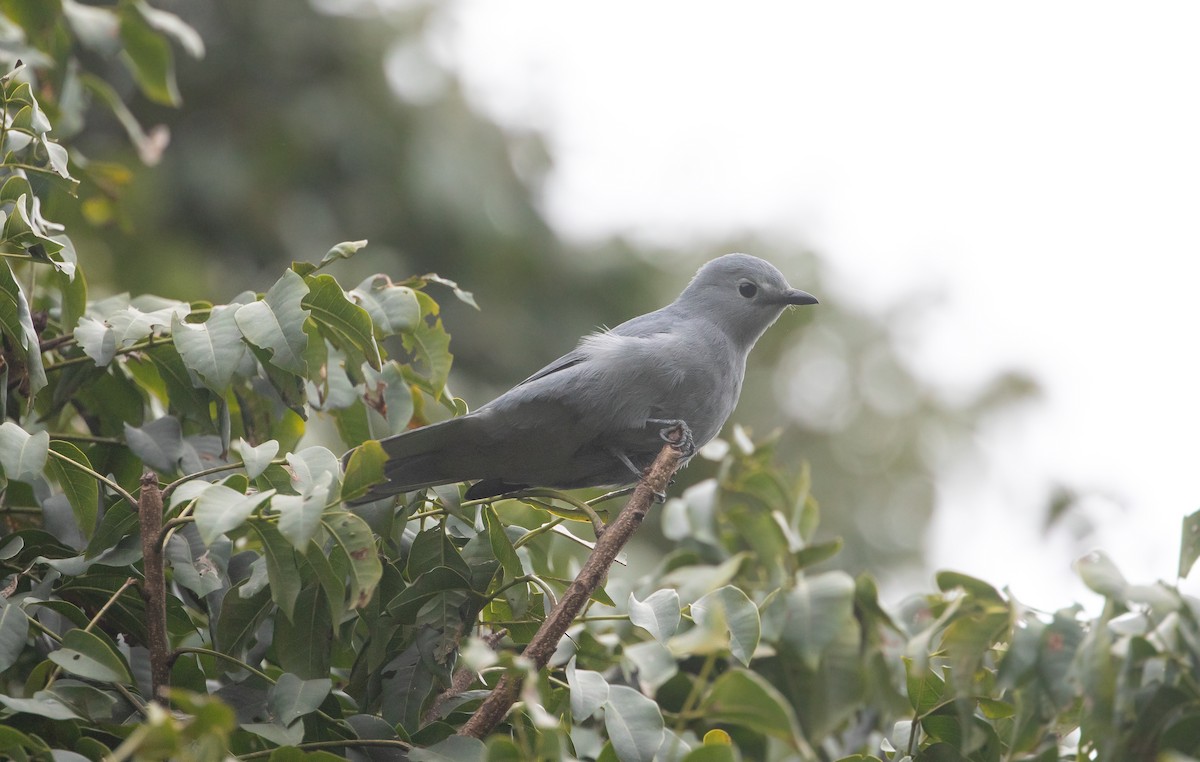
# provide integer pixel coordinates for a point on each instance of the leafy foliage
(302, 624)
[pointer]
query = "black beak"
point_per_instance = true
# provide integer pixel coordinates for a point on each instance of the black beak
(796, 296)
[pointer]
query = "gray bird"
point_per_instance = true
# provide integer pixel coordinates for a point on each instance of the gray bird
(598, 415)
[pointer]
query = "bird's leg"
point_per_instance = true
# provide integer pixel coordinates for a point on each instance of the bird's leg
(637, 472)
(676, 433)
(659, 497)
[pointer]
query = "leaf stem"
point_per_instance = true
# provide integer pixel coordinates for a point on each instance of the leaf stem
(98, 477)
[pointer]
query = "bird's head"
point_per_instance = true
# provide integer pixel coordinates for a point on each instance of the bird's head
(742, 294)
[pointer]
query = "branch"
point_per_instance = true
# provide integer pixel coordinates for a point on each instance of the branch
(154, 586)
(542, 646)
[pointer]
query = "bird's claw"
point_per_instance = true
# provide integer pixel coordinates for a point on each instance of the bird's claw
(677, 434)
(660, 497)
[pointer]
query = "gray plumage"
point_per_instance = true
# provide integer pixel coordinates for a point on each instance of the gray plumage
(596, 414)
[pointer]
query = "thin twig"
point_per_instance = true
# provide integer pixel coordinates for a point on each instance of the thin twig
(497, 703)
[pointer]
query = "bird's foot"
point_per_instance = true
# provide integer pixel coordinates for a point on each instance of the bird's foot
(677, 434)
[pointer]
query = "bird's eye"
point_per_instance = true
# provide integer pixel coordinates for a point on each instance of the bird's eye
(748, 290)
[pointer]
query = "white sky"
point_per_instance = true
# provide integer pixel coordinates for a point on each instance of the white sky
(1038, 164)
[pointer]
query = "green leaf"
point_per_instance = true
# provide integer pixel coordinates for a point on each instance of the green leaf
(14, 630)
(300, 515)
(96, 28)
(926, 691)
(214, 349)
(343, 250)
(1101, 575)
(239, 618)
(363, 469)
(658, 615)
(741, 697)
(397, 396)
(199, 576)
(184, 396)
(949, 580)
(43, 704)
(348, 326)
(148, 57)
(88, 655)
(356, 539)
(815, 554)
(739, 616)
(276, 323)
(256, 459)
(465, 297)
(502, 547)
(16, 321)
(452, 749)
(220, 509)
(291, 698)
(74, 297)
(303, 642)
(634, 724)
(283, 571)
(81, 489)
(173, 27)
(431, 345)
(22, 455)
(436, 581)
(1189, 548)
(814, 612)
(393, 309)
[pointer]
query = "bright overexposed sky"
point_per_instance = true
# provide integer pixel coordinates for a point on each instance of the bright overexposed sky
(1036, 164)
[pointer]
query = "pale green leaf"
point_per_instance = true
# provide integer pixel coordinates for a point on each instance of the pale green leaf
(174, 27)
(310, 467)
(634, 724)
(214, 349)
(220, 509)
(343, 250)
(658, 615)
(14, 630)
(256, 459)
(393, 309)
(1101, 575)
(300, 515)
(814, 611)
(276, 323)
(22, 455)
(739, 616)
(43, 704)
(589, 691)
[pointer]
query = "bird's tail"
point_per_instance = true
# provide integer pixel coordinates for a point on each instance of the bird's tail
(440, 453)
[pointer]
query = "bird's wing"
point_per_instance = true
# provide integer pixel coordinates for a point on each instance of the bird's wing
(640, 326)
